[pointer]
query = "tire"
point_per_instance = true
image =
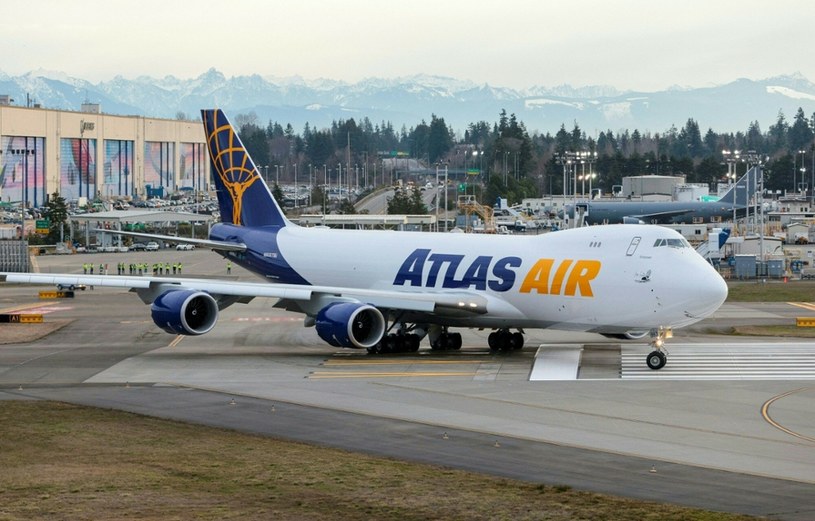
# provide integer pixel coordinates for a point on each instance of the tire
(656, 360)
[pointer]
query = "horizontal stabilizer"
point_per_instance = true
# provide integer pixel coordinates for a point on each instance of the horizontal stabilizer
(206, 243)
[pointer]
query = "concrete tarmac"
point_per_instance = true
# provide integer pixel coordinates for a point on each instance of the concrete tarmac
(741, 446)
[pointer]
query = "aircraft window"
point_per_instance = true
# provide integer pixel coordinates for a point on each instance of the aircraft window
(674, 243)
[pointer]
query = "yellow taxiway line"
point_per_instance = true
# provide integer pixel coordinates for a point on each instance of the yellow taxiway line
(765, 413)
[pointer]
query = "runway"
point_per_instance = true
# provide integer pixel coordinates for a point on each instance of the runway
(743, 444)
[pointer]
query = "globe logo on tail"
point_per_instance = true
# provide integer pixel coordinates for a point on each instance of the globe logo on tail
(232, 164)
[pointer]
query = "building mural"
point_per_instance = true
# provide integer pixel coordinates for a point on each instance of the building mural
(77, 168)
(22, 170)
(118, 168)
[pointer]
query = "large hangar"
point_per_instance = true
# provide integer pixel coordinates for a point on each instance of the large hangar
(88, 154)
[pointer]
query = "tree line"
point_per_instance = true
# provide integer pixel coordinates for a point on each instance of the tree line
(515, 163)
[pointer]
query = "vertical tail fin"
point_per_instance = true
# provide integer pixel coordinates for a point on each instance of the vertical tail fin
(742, 190)
(243, 197)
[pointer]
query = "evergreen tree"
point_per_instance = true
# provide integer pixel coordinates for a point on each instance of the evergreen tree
(778, 133)
(57, 213)
(403, 203)
(277, 193)
(440, 139)
(800, 133)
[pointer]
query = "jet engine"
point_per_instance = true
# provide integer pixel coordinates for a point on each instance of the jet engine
(350, 324)
(185, 312)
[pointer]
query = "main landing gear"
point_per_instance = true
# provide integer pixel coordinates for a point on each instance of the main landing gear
(657, 358)
(396, 343)
(503, 340)
(446, 341)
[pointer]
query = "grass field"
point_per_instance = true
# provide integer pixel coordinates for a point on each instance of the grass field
(60, 461)
(771, 291)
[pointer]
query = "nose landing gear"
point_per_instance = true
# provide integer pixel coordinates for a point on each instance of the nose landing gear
(657, 358)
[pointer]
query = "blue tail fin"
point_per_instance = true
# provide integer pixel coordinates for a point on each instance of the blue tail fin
(742, 190)
(243, 197)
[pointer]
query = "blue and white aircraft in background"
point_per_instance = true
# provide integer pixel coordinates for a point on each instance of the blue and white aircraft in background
(734, 202)
(385, 291)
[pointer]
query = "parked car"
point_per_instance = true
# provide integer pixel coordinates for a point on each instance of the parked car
(151, 246)
(807, 273)
(137, 246)
(185, 247)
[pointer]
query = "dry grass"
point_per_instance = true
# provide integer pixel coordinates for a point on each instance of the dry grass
(60, 461)
(787, 331)
(25, 333)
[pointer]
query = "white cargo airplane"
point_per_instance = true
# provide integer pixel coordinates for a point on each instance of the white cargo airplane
(384, 291)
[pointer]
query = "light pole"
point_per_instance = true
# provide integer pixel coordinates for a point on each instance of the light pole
(445, 198)
(339, 182)
(277, 175)
(436, 189)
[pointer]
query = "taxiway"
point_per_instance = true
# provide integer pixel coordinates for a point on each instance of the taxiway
(740, 443)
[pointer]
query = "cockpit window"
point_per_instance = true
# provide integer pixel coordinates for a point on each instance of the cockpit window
(674, 243)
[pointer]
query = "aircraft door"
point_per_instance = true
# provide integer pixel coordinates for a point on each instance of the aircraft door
(633, 246)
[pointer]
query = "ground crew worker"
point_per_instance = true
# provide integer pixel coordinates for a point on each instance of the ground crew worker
(228, 267)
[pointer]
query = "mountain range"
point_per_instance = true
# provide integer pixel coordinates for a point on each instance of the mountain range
(408, 101)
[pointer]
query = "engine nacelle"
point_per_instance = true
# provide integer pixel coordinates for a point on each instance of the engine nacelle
(185, 312)
(350, 324)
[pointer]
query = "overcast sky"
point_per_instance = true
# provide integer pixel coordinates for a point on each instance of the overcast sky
(629, 44)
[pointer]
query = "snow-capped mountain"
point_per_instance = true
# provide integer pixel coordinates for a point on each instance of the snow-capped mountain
(410, 100)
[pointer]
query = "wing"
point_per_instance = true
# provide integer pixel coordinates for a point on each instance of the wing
(309, 299)
(658, 216)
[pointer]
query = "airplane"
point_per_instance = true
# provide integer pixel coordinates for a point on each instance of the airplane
(385, 291)
(670, 212)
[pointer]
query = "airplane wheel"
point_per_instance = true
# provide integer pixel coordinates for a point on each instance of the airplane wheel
(656, 360)
(494, 342)
(389, 344)
(454, 341)
(412, 343)
(516, 341)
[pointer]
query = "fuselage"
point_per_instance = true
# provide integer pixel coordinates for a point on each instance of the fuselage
(602, 279)
(651, 212)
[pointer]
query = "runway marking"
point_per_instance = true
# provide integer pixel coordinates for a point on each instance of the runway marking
(806, 305)
(411, 361)
(36, 306)
(765, 413)
(317, 375)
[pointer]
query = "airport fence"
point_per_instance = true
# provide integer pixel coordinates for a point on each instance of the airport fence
(14, 256)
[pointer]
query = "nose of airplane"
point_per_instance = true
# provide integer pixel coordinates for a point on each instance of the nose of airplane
(711, 291)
